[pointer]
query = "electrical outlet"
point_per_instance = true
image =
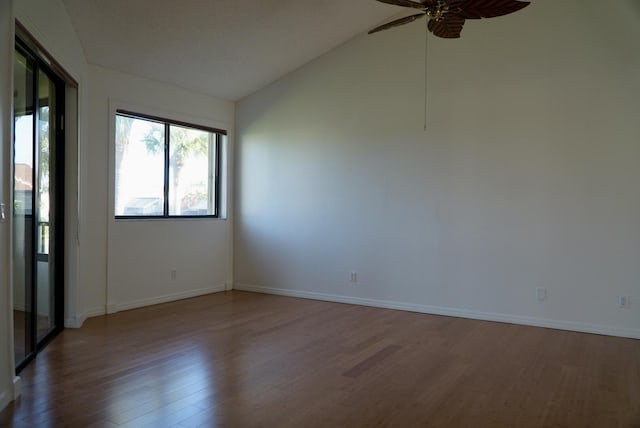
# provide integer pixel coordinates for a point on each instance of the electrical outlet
(624, 302)
(353, 277)
(541, 294)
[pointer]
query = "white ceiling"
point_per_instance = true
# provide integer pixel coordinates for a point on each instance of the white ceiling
(225, 48)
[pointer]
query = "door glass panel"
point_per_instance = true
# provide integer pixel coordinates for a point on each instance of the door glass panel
(37, 161)
(45, 206)
(23, 206)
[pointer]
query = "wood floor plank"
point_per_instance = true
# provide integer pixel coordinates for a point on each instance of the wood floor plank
(239, 359)
(376, 358)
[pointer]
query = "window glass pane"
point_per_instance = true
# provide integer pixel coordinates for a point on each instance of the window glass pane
(139, 189)
(191, 172)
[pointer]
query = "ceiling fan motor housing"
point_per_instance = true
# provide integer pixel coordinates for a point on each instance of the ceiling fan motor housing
(438, 11)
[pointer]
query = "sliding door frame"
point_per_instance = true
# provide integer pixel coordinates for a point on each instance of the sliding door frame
(26, 49)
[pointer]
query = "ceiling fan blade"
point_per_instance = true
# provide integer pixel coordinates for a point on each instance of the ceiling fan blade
(447, 28)
(397, 22)
(404, 3)
(454, 4)
(476, 9)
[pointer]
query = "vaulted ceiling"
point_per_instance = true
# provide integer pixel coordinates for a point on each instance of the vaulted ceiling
(225, 48)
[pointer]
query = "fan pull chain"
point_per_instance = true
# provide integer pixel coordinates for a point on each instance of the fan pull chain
(426, 69)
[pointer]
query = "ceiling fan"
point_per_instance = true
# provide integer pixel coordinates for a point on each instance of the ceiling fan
(446, 17)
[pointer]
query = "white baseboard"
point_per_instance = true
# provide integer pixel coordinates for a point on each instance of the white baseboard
(124, 306)
(113, 307)
(17, 387)
(5, 399)
(453, 312)
(94, 312)
(77, 321)
(8, 396)
(73, 322)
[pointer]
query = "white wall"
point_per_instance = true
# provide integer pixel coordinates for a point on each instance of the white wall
(526, 177)
(6, 90)
(140, 254)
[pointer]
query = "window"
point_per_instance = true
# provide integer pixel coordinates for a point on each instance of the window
(165, 168)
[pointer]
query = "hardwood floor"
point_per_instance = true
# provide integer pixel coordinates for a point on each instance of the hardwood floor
(240, 359)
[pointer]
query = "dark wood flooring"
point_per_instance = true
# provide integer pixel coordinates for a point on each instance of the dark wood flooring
(240, 359)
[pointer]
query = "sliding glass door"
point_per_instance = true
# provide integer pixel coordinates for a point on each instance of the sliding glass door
(37, 204)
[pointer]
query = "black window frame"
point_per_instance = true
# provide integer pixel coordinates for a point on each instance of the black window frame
(167, 123)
